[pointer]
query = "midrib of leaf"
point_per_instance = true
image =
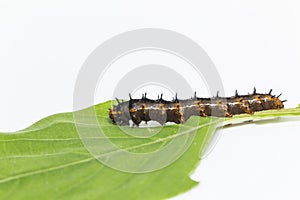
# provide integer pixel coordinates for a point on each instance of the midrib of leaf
(23, 175)
(259, 116)
(38, 155)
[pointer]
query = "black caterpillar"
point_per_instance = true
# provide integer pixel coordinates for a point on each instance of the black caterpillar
(179, 111)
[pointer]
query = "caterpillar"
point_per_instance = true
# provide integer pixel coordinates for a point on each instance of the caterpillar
(179, 111)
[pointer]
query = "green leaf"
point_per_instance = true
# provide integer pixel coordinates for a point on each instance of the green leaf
(50, 160)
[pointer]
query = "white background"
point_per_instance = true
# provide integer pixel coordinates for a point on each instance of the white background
(252, 43)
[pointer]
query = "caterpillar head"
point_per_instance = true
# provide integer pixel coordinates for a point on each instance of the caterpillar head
(120, 114)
